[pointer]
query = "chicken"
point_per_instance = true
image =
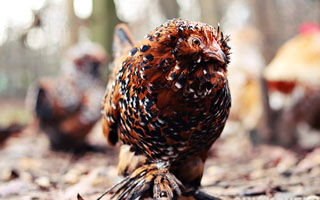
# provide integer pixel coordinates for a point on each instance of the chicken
(68, 106)
(167, 105)
(293, 82)
(297, 61)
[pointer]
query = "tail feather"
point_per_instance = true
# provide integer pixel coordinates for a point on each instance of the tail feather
(145, 179)
(37, 101)
(122, 40)
(122, 44)
(43, 107)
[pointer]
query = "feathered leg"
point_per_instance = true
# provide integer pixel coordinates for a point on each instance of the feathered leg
(150, 177)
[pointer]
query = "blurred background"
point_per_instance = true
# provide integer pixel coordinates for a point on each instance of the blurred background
(35, 35)
(274, 73)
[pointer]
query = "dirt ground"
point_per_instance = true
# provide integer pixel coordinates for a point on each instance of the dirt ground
(235, 169)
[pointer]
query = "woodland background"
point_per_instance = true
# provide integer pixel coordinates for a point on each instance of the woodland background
(258, 155)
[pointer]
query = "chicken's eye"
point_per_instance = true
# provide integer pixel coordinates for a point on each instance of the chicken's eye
(196, 41)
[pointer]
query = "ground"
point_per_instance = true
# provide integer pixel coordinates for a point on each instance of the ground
(29, 170)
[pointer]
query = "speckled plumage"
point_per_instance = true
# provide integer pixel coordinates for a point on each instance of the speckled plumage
(170, 99)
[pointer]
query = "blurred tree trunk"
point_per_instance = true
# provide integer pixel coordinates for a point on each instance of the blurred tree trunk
(267, 20)
(170, 8)
(73, 24)
(104, 19)
(211, 11)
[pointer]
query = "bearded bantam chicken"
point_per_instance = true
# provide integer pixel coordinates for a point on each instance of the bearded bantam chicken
(67, 107)
(167, 105)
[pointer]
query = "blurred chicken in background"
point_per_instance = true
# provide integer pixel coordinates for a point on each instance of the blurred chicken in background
(244, 72)
(294, 85)
(66, 107)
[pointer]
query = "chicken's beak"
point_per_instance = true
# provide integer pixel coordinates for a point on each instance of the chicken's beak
(217, 55)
